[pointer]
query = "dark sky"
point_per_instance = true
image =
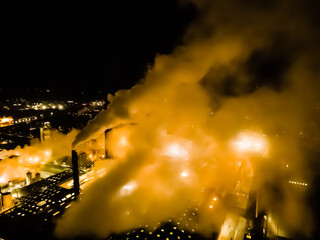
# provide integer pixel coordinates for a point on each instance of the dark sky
(72, 47)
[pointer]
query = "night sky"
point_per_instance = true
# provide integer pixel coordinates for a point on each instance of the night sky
(84, 49)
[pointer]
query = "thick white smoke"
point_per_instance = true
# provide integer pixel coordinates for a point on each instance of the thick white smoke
(15, 163)
(191, 107)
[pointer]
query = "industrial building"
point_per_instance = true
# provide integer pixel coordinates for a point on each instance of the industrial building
(35, 211)
(6, 121)
(42, 201)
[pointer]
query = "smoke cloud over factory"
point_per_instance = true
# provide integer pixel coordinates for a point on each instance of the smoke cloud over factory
(233, 109)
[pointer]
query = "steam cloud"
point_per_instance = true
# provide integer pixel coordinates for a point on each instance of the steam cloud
(15, 163)
(245, 66)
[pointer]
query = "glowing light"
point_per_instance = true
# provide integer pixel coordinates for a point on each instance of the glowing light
(227, 228)
(123, 141)
(3, 120)
(184, 174)
(128, 188)
(176, 151)
(3, 178)
(118, 142)
(250, 143)
(56, 213)
(298, 183)
(6, 121)
(47, 153)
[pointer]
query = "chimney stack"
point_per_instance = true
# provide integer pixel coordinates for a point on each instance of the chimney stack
(75, 170)
(107, 155)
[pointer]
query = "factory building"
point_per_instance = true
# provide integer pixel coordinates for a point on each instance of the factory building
(41, 202)
(30, 180)
(6, 121)
(6, 199)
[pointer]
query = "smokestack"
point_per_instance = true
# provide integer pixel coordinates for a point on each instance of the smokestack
(75, 170)
(37, 177)
(106, 154)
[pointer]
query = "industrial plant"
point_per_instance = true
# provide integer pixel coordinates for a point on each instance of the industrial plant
(160, 120)
(34, 203)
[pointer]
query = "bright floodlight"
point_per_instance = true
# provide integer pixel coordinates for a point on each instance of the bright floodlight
(184, 174)
(47, 153)
(176, 151)
(123, 141)
(128, 188)
(250, 143)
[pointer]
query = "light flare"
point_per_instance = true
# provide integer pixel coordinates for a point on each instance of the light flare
(174, 150)
(128, 189)
(3, 178)
(250, 143)
(6, 121)
(184, 174)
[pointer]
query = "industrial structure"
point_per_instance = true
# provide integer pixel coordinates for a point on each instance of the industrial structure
(6, 121)
(43, 200)
(39, 204)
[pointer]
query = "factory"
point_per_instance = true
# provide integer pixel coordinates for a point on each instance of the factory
(40, 203)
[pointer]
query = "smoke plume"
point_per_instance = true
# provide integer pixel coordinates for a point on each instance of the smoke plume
(246, 73)
(15, 163)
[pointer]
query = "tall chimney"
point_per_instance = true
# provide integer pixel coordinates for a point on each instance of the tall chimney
(107, 155)
(75, 170)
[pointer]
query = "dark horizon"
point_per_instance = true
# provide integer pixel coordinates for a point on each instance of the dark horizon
(80, 50)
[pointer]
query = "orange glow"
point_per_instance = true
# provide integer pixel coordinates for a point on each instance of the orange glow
(174, 150)
(184, 174)
(118, 142)
(128, 188)
(6, 121)
(15, 163)
(248, 143)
